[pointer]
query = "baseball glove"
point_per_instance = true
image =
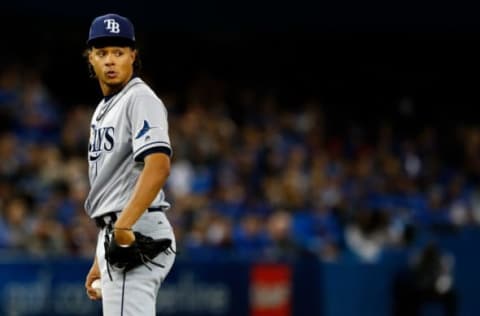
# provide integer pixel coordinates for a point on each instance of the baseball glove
(141, 251)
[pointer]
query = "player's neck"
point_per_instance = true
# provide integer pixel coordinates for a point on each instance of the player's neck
(108, 89)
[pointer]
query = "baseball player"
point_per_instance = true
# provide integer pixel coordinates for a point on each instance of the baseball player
(129, 161)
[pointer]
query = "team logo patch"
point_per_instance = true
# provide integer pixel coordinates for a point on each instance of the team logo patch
(146, 127)
(112, 26)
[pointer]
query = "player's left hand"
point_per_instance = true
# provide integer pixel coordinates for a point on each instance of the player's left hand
(141, 251)
(124, 237)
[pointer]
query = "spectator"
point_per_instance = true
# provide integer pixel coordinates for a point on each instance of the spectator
(250, 176)
(429, 279)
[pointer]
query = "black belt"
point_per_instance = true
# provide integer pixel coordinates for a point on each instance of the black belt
(110, 218)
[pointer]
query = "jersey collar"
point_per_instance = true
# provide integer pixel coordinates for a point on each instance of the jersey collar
(110, 96)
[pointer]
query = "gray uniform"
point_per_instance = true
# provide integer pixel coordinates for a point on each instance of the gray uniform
(124, 129)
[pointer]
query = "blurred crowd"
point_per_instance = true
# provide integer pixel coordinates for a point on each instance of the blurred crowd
(250, 177)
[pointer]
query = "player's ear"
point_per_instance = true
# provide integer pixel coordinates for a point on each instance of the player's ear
(134, 55)
(90, 57)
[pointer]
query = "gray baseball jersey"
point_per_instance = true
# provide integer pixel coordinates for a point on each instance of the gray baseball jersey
(124, 129)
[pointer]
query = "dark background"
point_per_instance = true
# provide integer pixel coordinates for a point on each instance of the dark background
(363, 58)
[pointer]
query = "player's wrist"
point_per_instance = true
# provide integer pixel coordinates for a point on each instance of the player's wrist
(122, 228)
(123, 223)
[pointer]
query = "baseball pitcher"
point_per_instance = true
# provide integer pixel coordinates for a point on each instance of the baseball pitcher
(129, 161)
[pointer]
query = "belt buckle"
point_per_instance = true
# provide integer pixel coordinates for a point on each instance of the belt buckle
(106, 220)
(110, 218)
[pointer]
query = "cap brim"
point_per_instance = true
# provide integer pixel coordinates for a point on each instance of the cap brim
(100, 42)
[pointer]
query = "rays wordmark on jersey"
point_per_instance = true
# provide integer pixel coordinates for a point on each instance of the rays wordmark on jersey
(101, 139)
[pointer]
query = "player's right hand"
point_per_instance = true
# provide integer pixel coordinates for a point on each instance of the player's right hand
(92, 275)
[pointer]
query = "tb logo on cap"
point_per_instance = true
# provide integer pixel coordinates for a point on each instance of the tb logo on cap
(112, 25)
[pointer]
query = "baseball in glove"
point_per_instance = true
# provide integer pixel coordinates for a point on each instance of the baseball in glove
(141, 251)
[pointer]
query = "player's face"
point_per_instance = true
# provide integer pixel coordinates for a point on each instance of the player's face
(113, 66)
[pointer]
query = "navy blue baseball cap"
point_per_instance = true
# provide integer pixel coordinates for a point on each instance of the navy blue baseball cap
(111, 29)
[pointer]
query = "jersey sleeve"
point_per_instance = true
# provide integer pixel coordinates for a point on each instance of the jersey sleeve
(149, 127)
